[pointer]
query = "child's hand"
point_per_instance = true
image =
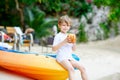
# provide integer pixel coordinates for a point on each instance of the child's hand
(66, 40)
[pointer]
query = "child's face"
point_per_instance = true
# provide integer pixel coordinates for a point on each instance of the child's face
(64, 27)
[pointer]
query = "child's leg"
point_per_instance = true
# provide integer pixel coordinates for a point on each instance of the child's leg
(67, 65)
(76, 64)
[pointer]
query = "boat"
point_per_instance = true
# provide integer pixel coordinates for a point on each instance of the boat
(39, 67)
(75, 57)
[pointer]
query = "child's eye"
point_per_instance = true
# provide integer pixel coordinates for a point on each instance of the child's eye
(68, 25)
(64, 25)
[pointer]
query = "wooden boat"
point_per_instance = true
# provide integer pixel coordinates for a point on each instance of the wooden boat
(37, 67)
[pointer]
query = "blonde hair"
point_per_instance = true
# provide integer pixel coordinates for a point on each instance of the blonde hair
(65, 19)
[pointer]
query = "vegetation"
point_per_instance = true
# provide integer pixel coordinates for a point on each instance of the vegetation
(113, 17)
(106, 30)
(82, 37)
(40, 14)
(114, 6)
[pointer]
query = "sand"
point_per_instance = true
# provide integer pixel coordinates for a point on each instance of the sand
(101, 60)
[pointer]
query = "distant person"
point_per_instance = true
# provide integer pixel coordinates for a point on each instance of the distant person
(62, 44)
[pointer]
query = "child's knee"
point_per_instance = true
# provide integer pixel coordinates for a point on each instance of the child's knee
(71, 69)
(83, 69)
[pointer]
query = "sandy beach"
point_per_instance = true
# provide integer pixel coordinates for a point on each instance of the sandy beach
(101, 60)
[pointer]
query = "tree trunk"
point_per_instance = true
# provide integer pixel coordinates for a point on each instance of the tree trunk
(21, 14)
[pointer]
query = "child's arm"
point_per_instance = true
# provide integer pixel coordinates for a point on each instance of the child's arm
(56, 47)
(74, 47)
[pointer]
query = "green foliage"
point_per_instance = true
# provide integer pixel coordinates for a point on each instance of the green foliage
(75, 8)
(79, 8)
(8, 13)
(106, 30)
(35, 15)
(114, 6)
(116, 30)
(51, 7)
(36, 11)
(31, 2)
(35, 18)
(28, 2)
(82, 37)
(113, 17)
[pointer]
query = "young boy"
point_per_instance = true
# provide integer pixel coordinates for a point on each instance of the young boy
(62, 44)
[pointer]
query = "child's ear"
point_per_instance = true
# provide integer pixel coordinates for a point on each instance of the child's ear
(58, 25)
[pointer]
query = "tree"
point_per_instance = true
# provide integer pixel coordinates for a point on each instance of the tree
(114, 8)
(114, 15)
(34, 12)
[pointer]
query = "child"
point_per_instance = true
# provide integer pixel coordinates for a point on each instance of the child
(62, 44)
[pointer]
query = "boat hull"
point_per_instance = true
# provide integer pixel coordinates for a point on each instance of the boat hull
(35, 66)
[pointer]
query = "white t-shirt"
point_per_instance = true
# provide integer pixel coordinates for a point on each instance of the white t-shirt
(65, 52)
